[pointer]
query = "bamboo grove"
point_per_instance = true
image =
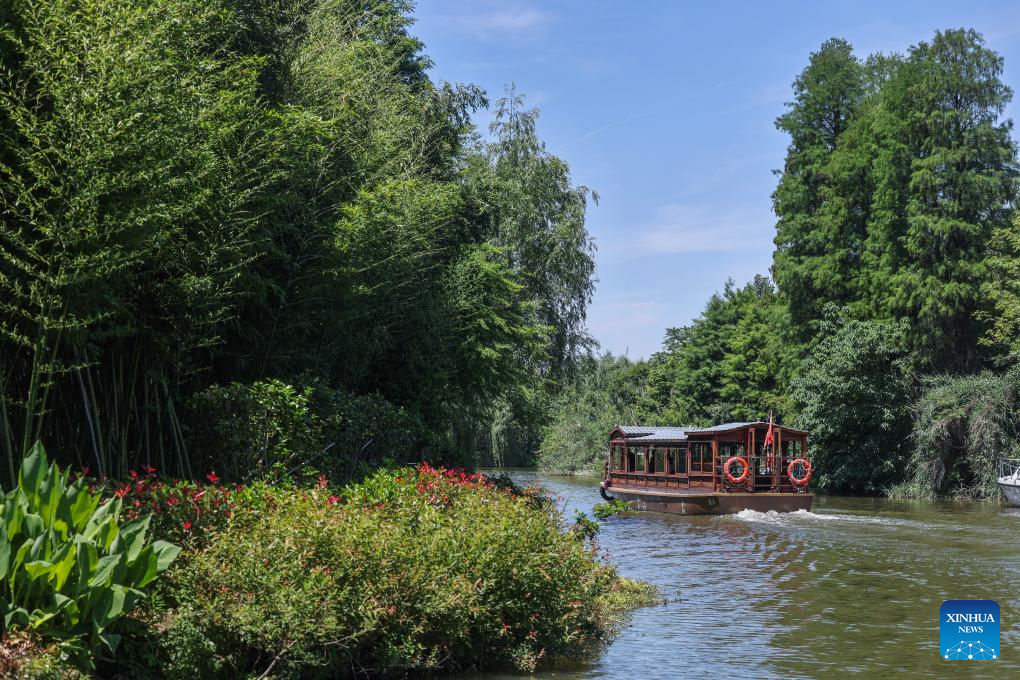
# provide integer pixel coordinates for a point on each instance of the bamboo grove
(198, 193)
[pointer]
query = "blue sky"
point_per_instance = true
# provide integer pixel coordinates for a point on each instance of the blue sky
(667, 109)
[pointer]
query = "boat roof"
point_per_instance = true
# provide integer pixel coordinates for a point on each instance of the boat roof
(656, 433)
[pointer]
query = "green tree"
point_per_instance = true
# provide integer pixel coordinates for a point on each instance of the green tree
(947, 181)
(603, 394)
(199, 193)
(817, 201)
(526, 203)
(129, 176)
(854, 394)
(732, 363)
(1003, 291)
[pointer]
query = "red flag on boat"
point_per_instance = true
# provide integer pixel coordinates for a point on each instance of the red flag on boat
(770, 440)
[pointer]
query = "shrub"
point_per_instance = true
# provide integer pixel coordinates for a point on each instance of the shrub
(67, 565)
(272, 429)
(613, 507)
(245, 431)
(961, 424)
(412, 569)
(362, 430)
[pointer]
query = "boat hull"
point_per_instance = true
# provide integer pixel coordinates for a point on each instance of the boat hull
(710, 503)
(1011, 492)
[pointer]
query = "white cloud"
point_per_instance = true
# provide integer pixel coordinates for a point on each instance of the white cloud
(492, 20)
(682, 228)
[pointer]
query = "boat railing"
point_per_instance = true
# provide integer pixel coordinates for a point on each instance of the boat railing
(1009, 467)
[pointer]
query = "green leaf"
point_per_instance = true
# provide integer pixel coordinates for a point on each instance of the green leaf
(82, 506)
(33, 468)
(87, 559)
(16, 617)
(63, 562)
(111, 640)
(104, 571)
(132, 535)
(15, 517)
(34, 525)
(5, 552)
(100, 517)
(109, 607)
(144, 569)
(166, 554)
(38, 569)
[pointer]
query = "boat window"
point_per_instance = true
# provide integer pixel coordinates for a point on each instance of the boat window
(676, 461)
(660, 461)
(701, 457)
(617, 458)
(639, 461)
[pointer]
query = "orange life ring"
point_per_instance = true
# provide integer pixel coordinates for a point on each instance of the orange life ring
(743, 475)
(799, 481)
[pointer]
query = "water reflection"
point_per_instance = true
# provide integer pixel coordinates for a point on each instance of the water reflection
(851, 588)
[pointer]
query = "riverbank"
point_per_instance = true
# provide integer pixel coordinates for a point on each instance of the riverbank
(411, 570)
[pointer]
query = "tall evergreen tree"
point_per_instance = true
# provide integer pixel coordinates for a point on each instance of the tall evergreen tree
(945, 183)
(816, 199)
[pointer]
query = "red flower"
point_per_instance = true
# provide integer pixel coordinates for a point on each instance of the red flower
(123, 491)
(333, 500)
(213, 477)
(134, 474)
(150, 470)
(187, 526)
(198, 495)
(322, 481)
(172, 501)
(137, 503)
(85, 471)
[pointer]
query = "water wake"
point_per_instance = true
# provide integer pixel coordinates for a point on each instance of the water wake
(773, 517)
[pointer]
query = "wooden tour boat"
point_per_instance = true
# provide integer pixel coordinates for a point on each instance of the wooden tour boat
(709, 470)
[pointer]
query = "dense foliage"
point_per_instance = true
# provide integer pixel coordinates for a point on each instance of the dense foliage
(205, 193)
(898, 177)
(962, 426)
(731, 363)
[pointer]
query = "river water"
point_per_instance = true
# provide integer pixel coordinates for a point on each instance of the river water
(852, 588)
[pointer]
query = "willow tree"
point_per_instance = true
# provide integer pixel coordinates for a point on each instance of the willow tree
(521, 199)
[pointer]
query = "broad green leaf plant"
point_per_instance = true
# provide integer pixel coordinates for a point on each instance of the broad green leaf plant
(67, 565)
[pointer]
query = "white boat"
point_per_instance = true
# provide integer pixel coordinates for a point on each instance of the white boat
(1009, 480)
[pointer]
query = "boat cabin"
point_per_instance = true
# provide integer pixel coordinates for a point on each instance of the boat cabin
(691, 459)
